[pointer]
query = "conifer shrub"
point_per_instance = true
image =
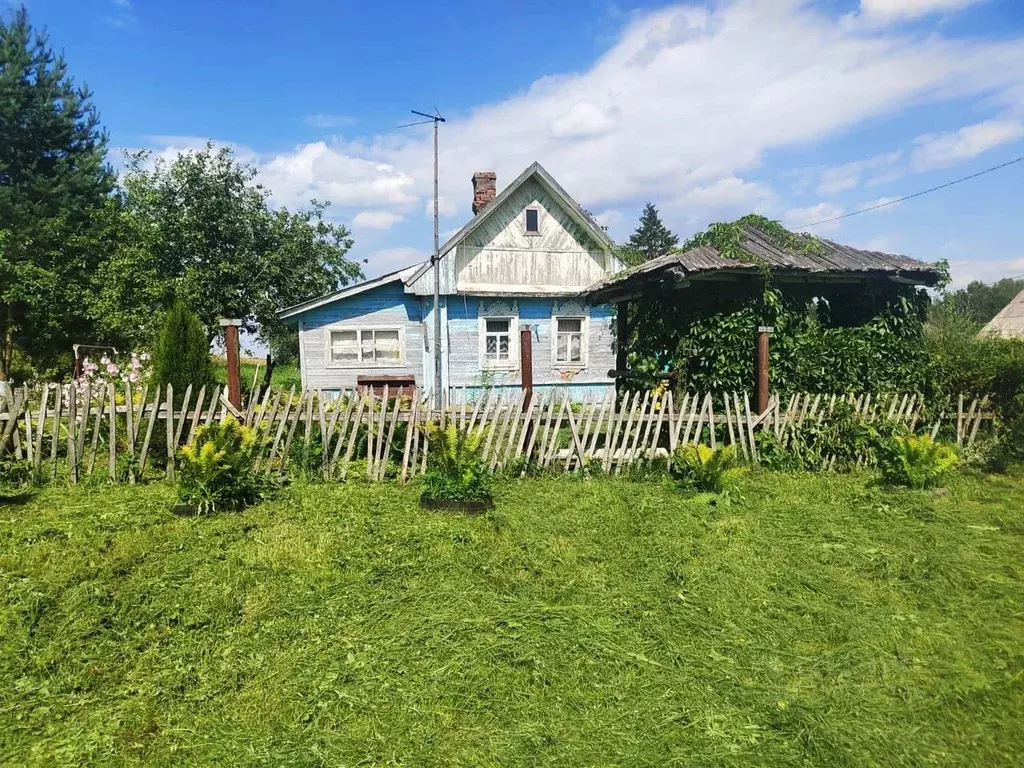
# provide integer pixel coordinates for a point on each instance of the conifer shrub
(218, 469)
(181, 354)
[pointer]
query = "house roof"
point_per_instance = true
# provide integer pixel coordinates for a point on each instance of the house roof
(349, 290)
(1009, 323)
(535, 169)
(831, 260)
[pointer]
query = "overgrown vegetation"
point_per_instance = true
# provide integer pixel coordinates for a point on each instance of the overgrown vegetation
(602, 622)
(835, 338)
(218, 469)
(455, 469)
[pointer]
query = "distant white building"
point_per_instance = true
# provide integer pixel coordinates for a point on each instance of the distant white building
(1009, 323)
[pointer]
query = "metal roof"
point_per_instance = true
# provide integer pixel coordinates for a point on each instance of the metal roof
(830, 259)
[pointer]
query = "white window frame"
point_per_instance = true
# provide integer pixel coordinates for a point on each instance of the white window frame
(359, 331)
(540, 218)
(584, 342)
(513, 344)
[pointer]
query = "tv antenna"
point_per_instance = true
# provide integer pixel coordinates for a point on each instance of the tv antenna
(435, 260)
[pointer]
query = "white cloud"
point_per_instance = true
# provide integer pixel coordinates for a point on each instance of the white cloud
(847, 176)
(321, 120)
(910, 9)
(651, 119)
(328, 173)
(964, 271)
(799, 218)
(122, 15)
(609, 218)
(881, 204)
(681, 109)
(383, 220)
(938, 150)
(883, 243)
(389, 259)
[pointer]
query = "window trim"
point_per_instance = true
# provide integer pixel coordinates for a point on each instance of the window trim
(539, 211)
(513, 346)
(359, 330)
(584, 343)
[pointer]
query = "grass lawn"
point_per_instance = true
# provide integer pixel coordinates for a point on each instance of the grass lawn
(602, 622)
(283, 376)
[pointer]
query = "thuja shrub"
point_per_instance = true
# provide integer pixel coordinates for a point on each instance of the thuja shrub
(218, 469)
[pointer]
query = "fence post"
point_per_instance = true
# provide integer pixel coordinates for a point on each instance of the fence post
(234, 371)
(526, 358)
(763, 332)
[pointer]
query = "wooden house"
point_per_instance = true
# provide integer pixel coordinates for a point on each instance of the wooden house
(521, 263)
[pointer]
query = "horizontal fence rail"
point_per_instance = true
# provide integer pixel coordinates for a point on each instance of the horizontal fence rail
(122, 433)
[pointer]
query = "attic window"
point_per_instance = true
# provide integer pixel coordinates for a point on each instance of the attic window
(532, 221)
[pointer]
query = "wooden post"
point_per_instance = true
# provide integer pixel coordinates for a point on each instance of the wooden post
(763, 332)
(234, 371)
(621, 341)
(526, 358)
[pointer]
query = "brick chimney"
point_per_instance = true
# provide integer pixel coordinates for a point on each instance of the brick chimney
(484, 189)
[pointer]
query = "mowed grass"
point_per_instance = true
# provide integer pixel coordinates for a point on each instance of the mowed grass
(604, 622)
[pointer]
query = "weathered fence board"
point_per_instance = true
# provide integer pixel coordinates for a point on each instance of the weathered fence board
(64, 434)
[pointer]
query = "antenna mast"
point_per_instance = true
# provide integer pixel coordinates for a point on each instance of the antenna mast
(435, 260)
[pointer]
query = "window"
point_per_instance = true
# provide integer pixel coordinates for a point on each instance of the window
(498, 340)
(532, 221)
(570, 342)
(366, 346)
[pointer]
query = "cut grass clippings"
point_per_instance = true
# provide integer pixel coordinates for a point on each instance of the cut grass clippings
(812, 621)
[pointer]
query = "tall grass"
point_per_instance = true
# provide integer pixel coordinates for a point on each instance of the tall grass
(602, 622)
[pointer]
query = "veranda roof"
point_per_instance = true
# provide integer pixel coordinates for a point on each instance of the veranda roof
(832, 260)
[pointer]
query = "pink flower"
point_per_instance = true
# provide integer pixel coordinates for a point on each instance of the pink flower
(133, 376)
(112, 369)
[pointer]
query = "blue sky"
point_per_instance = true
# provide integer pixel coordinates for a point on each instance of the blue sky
(798, 110)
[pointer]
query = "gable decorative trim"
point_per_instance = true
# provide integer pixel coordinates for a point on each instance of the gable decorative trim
(570, 307)
(498, 309)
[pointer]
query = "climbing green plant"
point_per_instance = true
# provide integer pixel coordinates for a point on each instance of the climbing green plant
(827, 338)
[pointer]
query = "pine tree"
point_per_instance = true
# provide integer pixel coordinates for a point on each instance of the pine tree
(54, 191)
(181, 355)
(652, 238)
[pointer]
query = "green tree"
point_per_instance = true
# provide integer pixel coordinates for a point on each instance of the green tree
(54, 185)
(981, 301)
(200, 229)
(651, 239)
(181, 354)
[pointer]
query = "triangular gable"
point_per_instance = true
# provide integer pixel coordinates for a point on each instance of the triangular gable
(535, 170)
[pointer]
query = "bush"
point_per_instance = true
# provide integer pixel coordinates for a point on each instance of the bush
(218, 468)
(181, 354)
(701, 468)
(455, 467)
(916, 462)
(839, 440)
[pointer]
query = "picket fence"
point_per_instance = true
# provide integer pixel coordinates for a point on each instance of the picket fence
(73, 431)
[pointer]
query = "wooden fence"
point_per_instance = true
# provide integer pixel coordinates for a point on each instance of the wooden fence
(118, 433)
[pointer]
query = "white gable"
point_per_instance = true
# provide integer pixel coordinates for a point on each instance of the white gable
(495, 255)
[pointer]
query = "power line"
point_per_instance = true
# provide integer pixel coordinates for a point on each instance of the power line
(916, 194)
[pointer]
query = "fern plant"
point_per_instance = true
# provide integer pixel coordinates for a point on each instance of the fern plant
(917, 462)
(700, 468)
(218, 468)
(455, 466)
